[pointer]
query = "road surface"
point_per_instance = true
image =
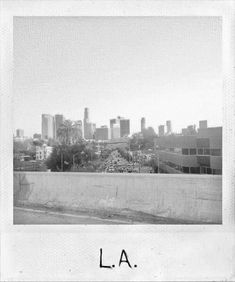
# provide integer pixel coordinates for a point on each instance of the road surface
(42, 215)
(34, 216)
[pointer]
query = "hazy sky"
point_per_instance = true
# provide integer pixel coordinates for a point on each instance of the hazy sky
(155, 67)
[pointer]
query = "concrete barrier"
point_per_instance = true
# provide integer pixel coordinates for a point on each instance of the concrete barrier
(184, 196)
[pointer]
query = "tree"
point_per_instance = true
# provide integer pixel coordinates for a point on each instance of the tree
(124, 154)
(69, 132)
(26, 147)
(153, 163)
(64, 157)
(38, 143)
(136, 141)
(149, 133)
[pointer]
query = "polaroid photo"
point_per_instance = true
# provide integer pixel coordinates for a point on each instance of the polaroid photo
(117, 140)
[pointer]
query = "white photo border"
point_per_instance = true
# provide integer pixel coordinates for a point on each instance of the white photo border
(162, 252)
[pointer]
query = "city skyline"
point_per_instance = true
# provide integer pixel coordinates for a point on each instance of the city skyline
(164, 128)
(157, 68)
(177, 130)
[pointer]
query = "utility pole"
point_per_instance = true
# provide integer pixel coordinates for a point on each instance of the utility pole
(156, 152)
(158, 163)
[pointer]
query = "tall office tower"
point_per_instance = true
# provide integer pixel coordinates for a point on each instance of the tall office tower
(203, 124)
(161, 130)
(86, 115)
(19, 133)
(59, 120)
(168, 127)
(112, 122)
(47, 126)
(143, 124)
(124, 127)
(88, 128)
(115, 132)
(93, 130)
(102, 133)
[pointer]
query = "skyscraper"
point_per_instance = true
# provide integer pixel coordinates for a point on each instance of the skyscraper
(59, 119)
(86, 115)
(47, 126)
(102, 133)
(143, 124)
(116, 131)
(19, 133)
(161, 130)
(168, 127)
(123, 124)
(112, 122)
(86, 124)
(124, 127)
(89, 127)
(93, 130)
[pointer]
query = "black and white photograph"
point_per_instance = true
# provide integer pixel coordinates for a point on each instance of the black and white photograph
(117, 133)
(117, 120)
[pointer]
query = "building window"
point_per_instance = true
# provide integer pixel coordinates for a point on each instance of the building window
(200, 151)
(207, 152)
(203, 170)
(184, 151)
(194, 170)
(216, 152)
(193, 151)
(185, 169)
(217, 171)
(209, 170)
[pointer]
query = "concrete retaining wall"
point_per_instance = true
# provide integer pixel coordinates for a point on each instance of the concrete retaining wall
(189, 197)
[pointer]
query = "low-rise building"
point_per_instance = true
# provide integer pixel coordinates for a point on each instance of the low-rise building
(199, 153)
(43, 152)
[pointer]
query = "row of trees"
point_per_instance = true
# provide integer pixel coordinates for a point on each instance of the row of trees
(65, 157)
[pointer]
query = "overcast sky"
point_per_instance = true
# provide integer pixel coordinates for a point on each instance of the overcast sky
(155, 67)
